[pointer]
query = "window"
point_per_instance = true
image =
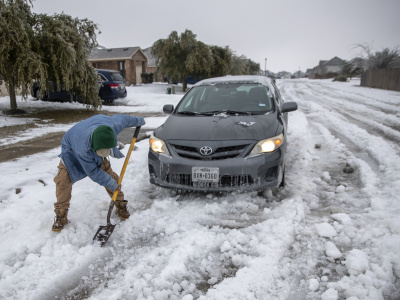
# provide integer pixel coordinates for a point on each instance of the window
(116, 77)
(101, 78)
(121, 68)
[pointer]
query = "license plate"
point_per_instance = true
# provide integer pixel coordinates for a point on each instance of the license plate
(205, 174)
(122, 86)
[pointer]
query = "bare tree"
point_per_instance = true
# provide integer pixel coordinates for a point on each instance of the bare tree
(384, 59)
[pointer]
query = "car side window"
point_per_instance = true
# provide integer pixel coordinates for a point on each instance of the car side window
(101, 78)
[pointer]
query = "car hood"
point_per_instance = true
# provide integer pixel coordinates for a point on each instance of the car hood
(221, 127)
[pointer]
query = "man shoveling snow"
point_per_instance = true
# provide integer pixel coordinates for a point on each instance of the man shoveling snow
(84, 151)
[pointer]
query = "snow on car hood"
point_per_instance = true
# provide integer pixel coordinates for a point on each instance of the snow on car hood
(220, 127)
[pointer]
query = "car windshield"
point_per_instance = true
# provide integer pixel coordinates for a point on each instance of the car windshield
(230, 98)
(116, 77)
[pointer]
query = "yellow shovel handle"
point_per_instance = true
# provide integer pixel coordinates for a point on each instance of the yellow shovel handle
(114, 197)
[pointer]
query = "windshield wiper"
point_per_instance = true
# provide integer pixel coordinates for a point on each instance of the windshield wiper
(193, 113)
(234, 112)
(227, 111)
(214, 112)
(187, 112)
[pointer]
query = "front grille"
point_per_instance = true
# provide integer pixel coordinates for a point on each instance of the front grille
(224, 181)
(218, 154)
(182, 179)
(236, 180)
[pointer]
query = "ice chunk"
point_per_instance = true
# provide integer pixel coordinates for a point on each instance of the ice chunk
(325, 230)
(330, 294)
(332, 251)
(313, 284)
(226, 246)
(357, 262)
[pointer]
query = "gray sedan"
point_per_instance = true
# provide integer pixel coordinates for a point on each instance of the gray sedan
(226, 134)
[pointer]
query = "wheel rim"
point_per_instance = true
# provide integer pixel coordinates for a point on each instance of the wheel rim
(39, 94)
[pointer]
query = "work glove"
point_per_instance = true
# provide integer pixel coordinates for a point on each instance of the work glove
(140, 121)
(120, 145)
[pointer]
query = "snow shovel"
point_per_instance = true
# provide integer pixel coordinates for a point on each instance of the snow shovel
(103, 234)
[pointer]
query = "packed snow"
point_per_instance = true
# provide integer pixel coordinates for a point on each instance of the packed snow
(332, 233)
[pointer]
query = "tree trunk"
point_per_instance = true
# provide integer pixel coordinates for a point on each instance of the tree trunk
(13, 98)
(184, 84)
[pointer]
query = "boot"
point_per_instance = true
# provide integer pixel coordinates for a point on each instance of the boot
(60, 219)
(121, 210)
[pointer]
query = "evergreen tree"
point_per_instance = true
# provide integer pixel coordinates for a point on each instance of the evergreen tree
(352, 68)
(18, 62)
(254, 68)
(222, 58)
(180, 56)
(64, 44)
(238, 66)
(42, 47)
(177, 57)
(200, 61)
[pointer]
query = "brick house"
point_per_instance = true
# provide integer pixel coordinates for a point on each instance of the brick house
(130, 61)
(152, 65)
(151, 61)
(327, 69)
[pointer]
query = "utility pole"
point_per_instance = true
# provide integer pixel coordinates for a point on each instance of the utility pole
(265, 66)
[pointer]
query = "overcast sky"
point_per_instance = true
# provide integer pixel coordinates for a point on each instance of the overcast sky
(290, 34)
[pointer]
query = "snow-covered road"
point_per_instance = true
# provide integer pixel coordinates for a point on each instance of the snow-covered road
(332, 233)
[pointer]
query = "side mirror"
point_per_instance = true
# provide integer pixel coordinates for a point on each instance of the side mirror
(289, 106)
(168, 108)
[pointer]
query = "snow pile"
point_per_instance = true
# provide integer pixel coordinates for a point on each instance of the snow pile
(330, 234)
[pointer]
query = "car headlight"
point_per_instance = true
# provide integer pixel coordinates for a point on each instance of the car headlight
(268, 145)
(158, 145)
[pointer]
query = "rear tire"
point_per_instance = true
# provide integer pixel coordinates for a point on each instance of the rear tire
(40, 95)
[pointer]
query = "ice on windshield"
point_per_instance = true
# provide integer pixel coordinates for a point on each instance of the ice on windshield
(234, 97)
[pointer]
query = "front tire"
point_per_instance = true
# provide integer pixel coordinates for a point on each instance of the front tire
(283, 182)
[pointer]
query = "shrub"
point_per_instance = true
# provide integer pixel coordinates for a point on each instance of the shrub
(341, 78)
(147, 77)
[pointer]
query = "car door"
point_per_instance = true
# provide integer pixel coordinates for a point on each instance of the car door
(105, 91)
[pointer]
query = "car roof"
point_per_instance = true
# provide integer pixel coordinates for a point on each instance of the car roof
(237, 79)
(105, 70)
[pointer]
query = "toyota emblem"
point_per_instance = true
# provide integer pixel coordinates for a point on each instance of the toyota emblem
(206, 150)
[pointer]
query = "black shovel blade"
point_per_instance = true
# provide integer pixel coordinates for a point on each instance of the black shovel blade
(103, 234)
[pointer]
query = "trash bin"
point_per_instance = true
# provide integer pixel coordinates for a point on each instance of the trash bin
(173, 89)
(168, 90)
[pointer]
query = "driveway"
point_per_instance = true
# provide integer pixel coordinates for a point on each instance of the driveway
(53, 140)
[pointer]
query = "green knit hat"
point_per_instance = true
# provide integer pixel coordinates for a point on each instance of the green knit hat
(103, 137)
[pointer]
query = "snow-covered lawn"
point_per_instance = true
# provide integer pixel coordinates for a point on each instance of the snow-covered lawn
(333, 235)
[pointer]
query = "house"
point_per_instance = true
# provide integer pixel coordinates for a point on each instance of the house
(152, 65)
(4, 92)
(130, 61)
(326, 69)
(309, 72)
(334, 65)
(151, 61)
(329, 68)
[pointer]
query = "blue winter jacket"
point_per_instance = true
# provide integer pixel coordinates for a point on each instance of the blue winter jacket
(77, 152)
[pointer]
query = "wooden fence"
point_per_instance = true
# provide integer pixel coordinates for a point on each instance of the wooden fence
(388, 79)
